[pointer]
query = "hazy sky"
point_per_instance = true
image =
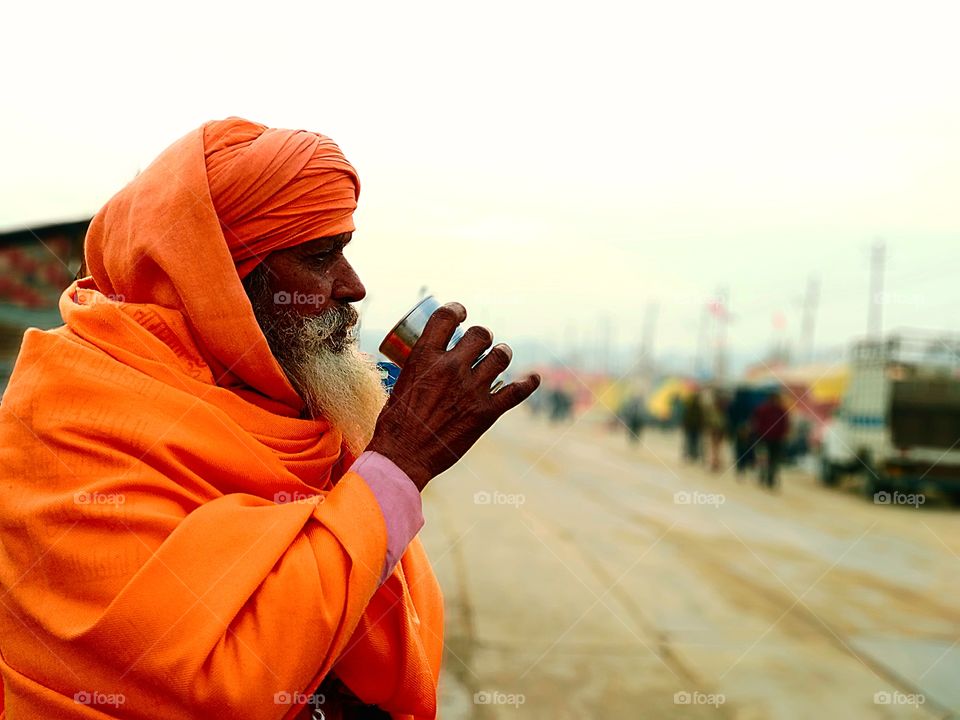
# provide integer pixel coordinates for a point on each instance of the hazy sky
(550, 165)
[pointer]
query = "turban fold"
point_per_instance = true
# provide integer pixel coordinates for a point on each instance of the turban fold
(276, 188)
(184, 232)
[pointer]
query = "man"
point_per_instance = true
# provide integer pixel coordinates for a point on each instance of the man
(771, 423)
(740, 427)
(209, 511)
(714, 423)
(633, 415)
(692, 422)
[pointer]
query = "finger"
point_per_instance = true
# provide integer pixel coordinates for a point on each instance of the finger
(515, 393)
(473, 343)
(494, 363)
(440, 326)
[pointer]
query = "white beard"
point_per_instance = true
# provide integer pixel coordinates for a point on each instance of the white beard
(345, 387)
(320, 357)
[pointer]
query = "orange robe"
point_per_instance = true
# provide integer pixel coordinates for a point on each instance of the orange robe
(146, 567)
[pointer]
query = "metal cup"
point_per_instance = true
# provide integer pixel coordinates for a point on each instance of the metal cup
(399, 342)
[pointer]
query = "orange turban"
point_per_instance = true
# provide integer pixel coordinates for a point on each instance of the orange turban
(223, 196)
(276, 188)
(144, 556)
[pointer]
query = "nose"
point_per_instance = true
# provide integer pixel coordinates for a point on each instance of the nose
(347, 287)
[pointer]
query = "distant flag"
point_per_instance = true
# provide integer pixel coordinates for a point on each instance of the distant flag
(717, 308)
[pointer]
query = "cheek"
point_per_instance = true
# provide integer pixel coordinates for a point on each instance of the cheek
(309, 290)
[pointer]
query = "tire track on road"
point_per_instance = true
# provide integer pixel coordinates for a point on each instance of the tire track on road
(709, 561)
(712, 562)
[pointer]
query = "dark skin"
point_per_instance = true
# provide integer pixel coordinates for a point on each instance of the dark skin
(440, 405)
(316, 268)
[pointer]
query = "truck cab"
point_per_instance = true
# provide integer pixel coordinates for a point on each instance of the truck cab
(898, 425)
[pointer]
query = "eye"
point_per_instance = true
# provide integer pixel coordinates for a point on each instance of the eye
(324, 256)
(317, 258)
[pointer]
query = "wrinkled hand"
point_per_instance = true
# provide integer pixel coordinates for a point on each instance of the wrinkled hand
(440, 405)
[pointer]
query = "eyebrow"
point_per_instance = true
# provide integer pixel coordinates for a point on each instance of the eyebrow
(334, 242)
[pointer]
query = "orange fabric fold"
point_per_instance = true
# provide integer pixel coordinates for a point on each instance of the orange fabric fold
(147, 569)
(272, 188)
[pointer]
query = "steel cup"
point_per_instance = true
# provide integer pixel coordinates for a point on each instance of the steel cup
(399, 342)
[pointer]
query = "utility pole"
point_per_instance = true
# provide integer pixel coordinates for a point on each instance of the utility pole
(808, 327)
(604, 344)
(875, 308)
(645, 361)
(721, 314)
(778, 343)
(571, 345)
(700, 360)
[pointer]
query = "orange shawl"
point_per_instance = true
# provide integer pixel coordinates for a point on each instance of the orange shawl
(146, 567)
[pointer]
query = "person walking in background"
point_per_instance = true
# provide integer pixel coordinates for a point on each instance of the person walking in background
(561, 405)
(740, 427)
(633, 415)
(692, 427)
(771, 423)
(715, 425)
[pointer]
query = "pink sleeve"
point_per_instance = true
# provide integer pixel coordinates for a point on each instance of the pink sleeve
(399, 502)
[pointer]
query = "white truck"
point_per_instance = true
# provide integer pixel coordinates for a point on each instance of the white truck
(898, 425)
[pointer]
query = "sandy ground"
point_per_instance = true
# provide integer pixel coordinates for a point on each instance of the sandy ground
(585, 578)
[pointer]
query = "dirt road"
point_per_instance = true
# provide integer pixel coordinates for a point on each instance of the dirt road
(585, 578)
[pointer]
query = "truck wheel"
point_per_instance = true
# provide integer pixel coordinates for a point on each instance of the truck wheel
(829, 473)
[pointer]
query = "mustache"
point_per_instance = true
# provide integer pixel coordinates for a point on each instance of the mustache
(290, 334)
(334, 328)
(339, 318)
